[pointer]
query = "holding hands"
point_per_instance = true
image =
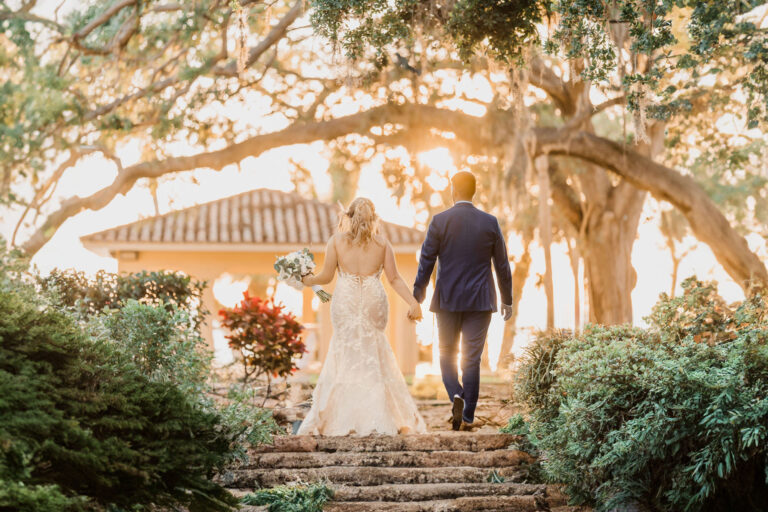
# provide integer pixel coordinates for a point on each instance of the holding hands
(414, 313)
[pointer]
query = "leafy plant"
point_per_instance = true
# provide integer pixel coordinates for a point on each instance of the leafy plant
(83, 427)
(90, 296)
(516, 426)
(161, 341)
(535, 375)
(674, 416)
(164, 345)
(519, 427)
(268, 340)
(113, 413)
(291, 498)
(250, 425)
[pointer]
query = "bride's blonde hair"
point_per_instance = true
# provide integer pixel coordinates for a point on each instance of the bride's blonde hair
(359, 223)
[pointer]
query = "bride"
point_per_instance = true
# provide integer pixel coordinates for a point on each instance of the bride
(360, 390)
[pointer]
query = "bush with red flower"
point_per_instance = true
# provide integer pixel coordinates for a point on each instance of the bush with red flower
(267, 338)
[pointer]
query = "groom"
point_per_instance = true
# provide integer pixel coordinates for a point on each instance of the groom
(464, 240)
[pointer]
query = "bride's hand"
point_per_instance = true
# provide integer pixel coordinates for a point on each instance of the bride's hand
(307, 278)
(414, 313)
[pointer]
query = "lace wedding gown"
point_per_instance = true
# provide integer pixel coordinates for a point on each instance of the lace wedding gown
(361, 390)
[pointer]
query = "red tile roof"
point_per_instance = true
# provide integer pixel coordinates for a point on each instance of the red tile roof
(260, 217)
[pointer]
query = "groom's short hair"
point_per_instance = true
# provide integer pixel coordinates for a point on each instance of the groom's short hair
(464, 184)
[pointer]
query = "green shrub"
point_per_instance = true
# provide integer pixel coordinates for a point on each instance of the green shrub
(674, 417)
(165, 346)
(89, 296)
(82, 427)
(516, 426)
(250, 425)
(109, 406)
(161, 341)
(535, 376)
(18, 497)
(519, 427)
(291, 498)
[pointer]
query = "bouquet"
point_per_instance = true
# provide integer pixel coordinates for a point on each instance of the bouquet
(292, 267)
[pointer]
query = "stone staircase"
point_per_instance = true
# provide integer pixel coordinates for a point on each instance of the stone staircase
(436, 472)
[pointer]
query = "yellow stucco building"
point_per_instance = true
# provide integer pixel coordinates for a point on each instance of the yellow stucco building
(241, 236)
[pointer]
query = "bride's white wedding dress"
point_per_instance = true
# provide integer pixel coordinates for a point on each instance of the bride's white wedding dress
(361, 390)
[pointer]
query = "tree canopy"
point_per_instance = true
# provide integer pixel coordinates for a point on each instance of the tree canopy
(659, 67)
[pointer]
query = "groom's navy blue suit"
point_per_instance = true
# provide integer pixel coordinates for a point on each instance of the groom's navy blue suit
(464, 241)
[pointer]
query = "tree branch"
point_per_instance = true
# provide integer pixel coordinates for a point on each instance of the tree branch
(229, 70)
(542, 77)
(585, 115)
(706, 220)
(565, 198)
(75, 154)
(274, 35)
(423, 116)
(26, 16)
(102, 19)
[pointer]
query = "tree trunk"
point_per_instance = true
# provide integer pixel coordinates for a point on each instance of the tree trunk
(608, 266)
(541, 166)
(520, 274)
(706, 220)
(675, 270)
(574, 258)
(609, 233)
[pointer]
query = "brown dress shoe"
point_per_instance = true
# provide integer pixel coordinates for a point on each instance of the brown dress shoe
(458, 412)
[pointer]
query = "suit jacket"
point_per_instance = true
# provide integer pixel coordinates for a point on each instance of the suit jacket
(464, 240)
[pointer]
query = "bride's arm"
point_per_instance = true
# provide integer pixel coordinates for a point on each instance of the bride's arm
(329, 267)
(398, 283)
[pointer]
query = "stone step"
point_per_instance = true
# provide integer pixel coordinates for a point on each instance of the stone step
(481, 459)
(485, 503)
(365, 475)
(428, 492)
(436, 441)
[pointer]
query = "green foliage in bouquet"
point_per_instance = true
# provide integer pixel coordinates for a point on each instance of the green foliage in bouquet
(291, 498)
(89, 296)
(268, 339)
(674, 417)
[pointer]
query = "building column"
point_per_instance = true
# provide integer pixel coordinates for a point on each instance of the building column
(405, 342)
(324, 331)
(211, 304)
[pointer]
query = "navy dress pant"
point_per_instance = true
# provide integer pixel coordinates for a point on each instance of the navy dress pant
(472, 328)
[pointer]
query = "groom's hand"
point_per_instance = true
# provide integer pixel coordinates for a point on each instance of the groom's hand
(414, 312)
(506, 311)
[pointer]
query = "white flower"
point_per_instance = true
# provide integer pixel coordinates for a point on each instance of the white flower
(292, 267)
